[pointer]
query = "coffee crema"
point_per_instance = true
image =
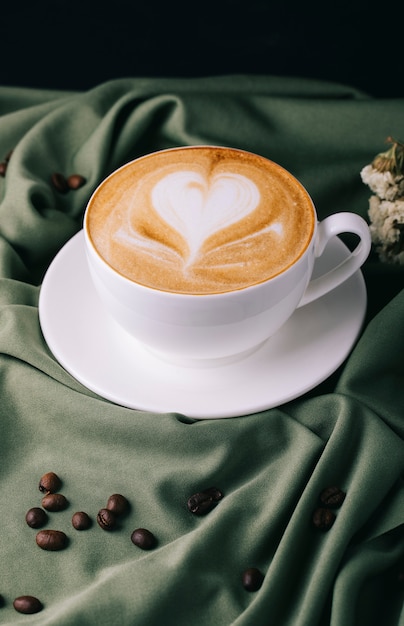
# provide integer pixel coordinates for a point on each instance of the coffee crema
(200, 220)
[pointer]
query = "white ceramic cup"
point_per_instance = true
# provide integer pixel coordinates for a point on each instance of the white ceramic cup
(209, 329)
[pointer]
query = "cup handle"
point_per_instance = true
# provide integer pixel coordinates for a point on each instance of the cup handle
(332, 225)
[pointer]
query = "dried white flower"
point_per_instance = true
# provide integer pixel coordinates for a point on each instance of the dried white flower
(387, 228)
(383, 184)
(385, 177)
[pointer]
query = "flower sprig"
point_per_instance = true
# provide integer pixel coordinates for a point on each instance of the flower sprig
(385, 177)
(392, 160)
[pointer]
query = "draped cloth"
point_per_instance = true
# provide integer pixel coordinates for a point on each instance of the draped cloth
(271, 466)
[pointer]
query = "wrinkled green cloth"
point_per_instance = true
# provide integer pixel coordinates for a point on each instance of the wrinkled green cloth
(271, 466)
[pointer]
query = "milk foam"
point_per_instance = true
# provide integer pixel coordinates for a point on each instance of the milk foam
(196, 208)
(208, 223)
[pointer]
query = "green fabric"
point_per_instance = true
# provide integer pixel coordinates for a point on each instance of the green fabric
(271, 466)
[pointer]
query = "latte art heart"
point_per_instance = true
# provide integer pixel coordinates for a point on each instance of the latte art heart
(197, 209)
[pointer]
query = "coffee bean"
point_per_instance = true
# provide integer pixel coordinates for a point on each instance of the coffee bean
(54, 502)
(204, 501)
(252, 579)
(27, 605)
(36, 517)
(118, 504)
(51, 540)
(59, 182)
(200, 503)
(49, 483)
(323, 518)
(143, 538)
(106, 519)
(75, 181)
(332, 497)
(81, 521)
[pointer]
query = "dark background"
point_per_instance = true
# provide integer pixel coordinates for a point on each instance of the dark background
(76, 45)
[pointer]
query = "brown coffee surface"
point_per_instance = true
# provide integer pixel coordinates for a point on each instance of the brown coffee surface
(200, 220)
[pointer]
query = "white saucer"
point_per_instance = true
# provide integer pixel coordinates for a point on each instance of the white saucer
(309, 348)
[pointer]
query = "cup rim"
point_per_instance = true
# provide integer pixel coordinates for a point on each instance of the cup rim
(148, 288)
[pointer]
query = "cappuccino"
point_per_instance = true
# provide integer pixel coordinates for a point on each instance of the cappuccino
(200, 220)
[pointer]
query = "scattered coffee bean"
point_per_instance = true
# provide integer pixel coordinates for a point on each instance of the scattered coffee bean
(106, 519)
(36, 517)
(51, 540)
(200, 503)
(81, 521)
(75, 181)
(323, 518)
(143, 538)
(27, 605)
(59, 182)
(204, 501)
(49, 483)
(118, 504)
(54, 502)
(252, 579)
(332, 497)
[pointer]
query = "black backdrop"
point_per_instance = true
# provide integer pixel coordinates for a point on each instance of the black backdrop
(77, 44)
